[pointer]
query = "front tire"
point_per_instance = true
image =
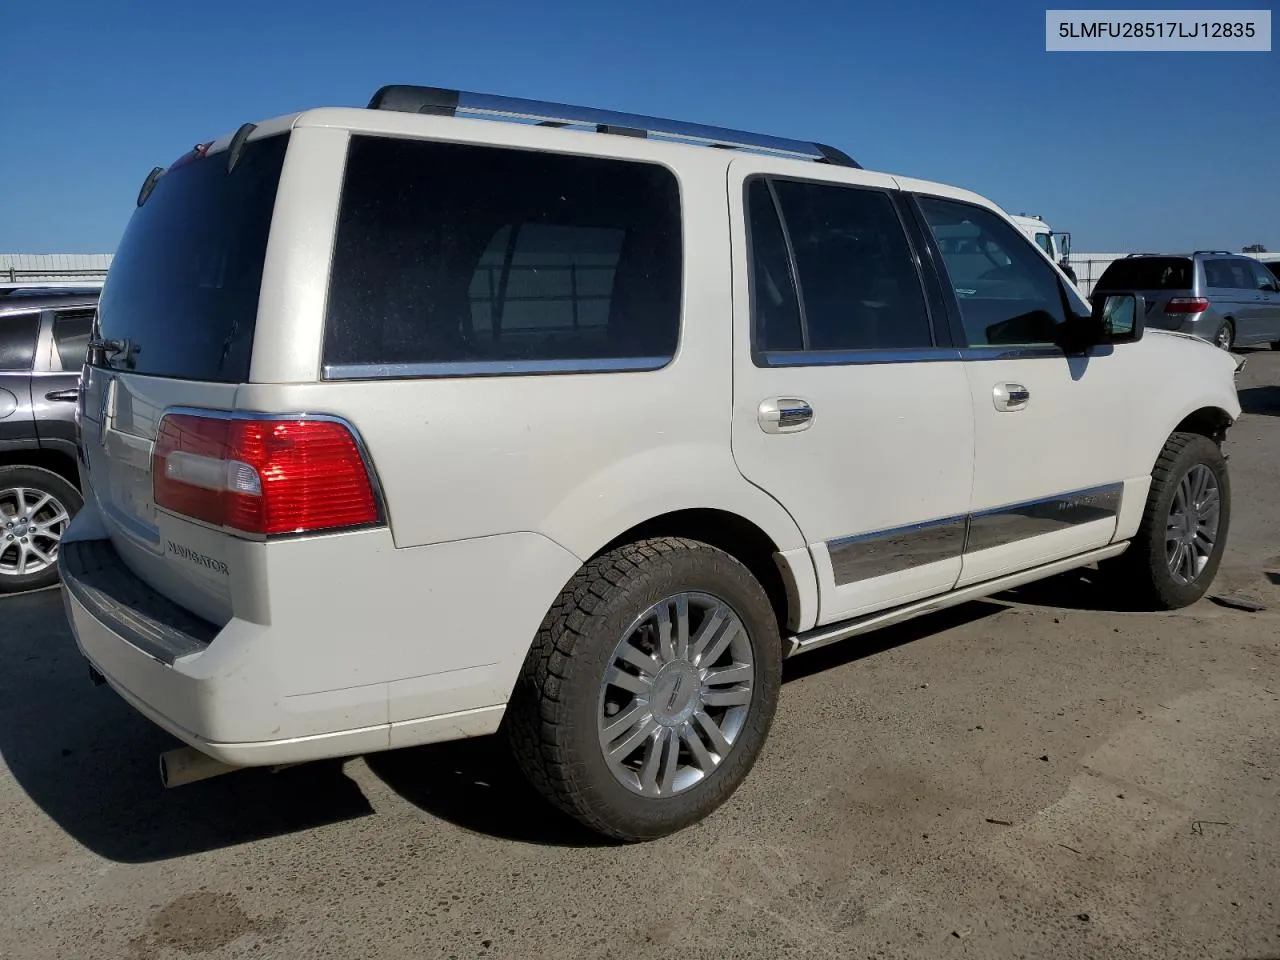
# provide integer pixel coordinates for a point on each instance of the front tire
(1175, 555)
(36, 505)
(649, 690)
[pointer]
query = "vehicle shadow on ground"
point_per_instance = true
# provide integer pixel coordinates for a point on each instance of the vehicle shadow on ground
(476, 785)
(1261, 400)
(89, 761)
(1084, 589)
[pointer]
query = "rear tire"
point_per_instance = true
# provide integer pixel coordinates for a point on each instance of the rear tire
(611, 718)
(36, 505)
(1226, 336)
(1175, 555)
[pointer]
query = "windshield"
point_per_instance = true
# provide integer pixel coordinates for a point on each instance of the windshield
(183, 287)
(1147, 273)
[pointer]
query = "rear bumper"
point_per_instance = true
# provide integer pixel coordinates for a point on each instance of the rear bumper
(162, 666)
(340, 669)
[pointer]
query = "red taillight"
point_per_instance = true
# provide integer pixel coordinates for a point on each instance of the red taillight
(1186, 305)
(262, 476)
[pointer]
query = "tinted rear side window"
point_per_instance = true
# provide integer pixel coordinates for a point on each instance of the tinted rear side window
(774, 305)
(71, 330)
(1147, 273)
(18, 340)
(455, 259)
(859, 286)
(1228, 275)
(183, 286)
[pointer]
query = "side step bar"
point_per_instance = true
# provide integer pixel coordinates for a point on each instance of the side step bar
(833, 633)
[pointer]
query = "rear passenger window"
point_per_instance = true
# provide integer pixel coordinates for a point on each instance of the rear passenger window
(857, 278)
(71, 337)
(774, 306)
(1228, 275)
(454, 259)
(18, 340)
(1008, 294)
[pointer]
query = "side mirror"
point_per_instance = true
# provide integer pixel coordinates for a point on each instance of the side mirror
(1119, 317)
(1116, 318)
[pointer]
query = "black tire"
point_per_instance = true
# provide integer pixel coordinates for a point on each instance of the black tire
(12, 526)
(552, 719)
(1226, 335)
(1143, 572)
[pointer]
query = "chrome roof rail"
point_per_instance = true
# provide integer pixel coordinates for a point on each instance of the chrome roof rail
(442, 102)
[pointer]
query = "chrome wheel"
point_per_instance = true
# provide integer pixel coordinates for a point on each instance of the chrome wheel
(32, 523)
(676, 694)
(1224, 337)
(1192, 529)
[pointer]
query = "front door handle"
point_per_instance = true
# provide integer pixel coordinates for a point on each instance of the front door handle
(63, 396)
(784, 415)
(1010, 397)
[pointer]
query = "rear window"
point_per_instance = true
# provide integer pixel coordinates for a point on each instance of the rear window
(1147, 273)
(182, 292)
(454, 259)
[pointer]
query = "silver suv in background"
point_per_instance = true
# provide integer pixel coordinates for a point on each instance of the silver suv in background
(44, 334)
(1231, 300)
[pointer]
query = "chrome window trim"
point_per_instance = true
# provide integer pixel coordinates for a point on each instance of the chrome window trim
(1012, 352)
(820, 358)
(882, 552)
(878, 553)
(492, 368)
(384, 518)
(828, 358)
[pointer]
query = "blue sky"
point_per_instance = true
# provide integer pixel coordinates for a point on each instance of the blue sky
(1128, 151)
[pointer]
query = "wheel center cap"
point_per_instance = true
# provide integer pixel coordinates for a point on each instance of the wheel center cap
(676, 693)
(20, 528)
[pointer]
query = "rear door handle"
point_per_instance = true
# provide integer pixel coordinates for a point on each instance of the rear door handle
(64, 396)
(1010, 397)
(784, 415)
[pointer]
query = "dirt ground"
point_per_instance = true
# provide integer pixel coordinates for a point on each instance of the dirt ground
(1038, 775)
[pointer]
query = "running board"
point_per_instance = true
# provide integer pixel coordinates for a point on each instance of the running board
(833, 633)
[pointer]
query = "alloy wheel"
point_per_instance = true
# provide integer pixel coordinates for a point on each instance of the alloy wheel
(1192, 529)
(676, 694)
(32, 523)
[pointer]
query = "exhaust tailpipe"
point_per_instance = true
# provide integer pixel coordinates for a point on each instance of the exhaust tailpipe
(187, 765)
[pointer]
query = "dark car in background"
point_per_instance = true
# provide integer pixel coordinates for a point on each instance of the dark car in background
(44, 335)
(1229, 299)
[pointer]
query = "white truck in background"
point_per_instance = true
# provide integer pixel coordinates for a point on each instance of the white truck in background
(1056, 244)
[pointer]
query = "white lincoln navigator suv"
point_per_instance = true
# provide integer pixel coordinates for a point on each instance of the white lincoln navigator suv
(403, 425)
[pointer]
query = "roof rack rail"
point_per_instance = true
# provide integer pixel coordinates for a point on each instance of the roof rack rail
(1227, 252)
(53, 286)
(439, 101)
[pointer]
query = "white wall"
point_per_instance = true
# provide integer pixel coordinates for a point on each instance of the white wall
(38, 267)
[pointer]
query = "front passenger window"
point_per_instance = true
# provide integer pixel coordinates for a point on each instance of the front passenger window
(1008, 294)
(1265, 279)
